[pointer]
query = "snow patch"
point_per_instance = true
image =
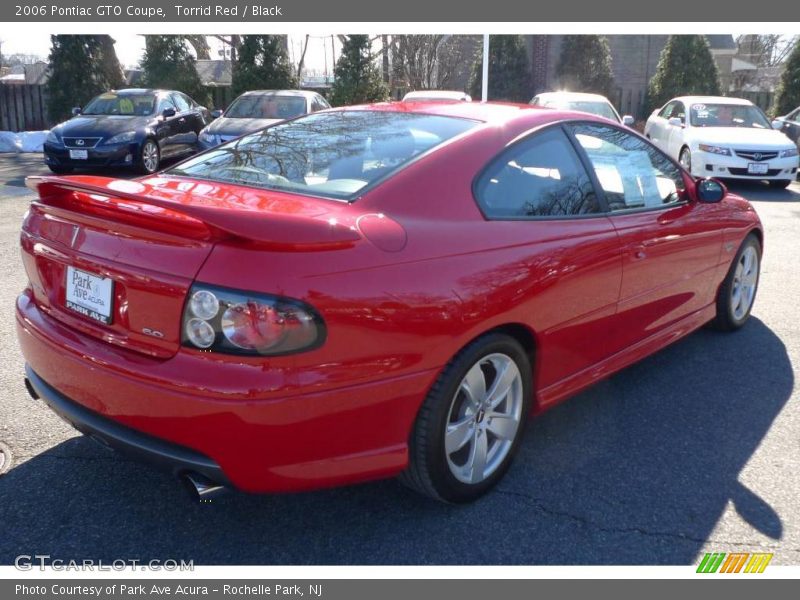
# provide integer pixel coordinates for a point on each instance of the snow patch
(23, 141)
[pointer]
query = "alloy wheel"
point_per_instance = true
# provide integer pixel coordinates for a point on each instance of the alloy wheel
(485, 415)
(150, 156)
(745, 280)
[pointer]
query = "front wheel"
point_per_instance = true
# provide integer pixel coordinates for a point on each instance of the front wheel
(738, 291)
(470, 425)
(686, 159)
(149, 157)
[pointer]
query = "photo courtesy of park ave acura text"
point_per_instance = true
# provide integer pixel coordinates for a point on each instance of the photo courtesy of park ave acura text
(333, 296)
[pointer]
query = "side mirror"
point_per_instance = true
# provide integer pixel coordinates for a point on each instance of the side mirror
(216, 113)
(777, 124)
(76, 111)
(628, 121)
(168, 112)
(710, 190)
(676, 122)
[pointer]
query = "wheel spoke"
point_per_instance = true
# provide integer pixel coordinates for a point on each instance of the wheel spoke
(477, 458)
(474, 385)
(503, 426)
(458, 434)
(502, 384)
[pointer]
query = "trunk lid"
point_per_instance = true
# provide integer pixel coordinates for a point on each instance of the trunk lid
(133, 248)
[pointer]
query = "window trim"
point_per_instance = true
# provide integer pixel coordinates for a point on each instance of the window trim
(603, 212)
(599, 189)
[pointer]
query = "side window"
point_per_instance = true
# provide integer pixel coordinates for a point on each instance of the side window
(541, 176)
(631, 172)
(181, 102)
(164, 103)
(666, 112)
(319, 103)
(535, 101)
(679, 111)
(795, 116)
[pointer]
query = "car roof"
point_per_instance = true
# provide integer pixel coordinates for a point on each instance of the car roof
(713, 100)
(489, 112)
(436, 94)
(303, 93)
(572, 96)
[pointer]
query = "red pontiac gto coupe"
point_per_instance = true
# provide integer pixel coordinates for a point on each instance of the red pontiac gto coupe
(370, 291)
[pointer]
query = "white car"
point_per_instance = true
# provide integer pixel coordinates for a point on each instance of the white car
(732, 138)
(594, 104)
(437, 96)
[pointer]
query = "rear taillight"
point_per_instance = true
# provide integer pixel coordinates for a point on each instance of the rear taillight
(235, 322)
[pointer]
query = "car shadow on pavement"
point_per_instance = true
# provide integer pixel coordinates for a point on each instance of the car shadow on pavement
(636, 470)
(748, 189)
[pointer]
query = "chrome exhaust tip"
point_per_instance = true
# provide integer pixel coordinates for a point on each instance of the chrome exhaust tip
(203, 489)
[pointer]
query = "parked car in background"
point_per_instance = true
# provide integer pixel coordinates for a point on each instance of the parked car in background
(135, 128)
(716, 136)
(437, 96)
(594, 104)
(370, 291)
(790, 125)
(258, 109)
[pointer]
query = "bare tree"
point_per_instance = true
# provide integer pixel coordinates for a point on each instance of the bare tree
(766, 50)
(302, 61)
(200, 45)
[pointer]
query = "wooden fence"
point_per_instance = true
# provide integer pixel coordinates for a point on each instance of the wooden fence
(23, 108)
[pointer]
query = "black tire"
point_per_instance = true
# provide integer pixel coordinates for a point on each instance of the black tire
(59, 170)
(781, 184)
(428, 472)
(143, 165)
(726, 320)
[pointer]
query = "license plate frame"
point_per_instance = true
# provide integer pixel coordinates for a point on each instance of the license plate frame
(78, 154)
(757, 168)
(89, 294)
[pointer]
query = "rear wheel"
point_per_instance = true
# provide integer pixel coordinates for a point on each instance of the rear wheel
(738, 291)
(471, 424)
(149, 157)
(780, 183)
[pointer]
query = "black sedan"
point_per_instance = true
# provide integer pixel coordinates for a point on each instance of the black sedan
(127, 128)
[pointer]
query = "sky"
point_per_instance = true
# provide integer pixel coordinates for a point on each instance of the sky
(130, 48)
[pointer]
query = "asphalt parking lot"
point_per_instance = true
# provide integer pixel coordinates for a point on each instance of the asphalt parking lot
(696, 449)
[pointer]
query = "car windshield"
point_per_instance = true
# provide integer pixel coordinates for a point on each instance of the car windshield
(121, 104)
(727, 115)
(266, 106)
(331, 154)
(600, 109)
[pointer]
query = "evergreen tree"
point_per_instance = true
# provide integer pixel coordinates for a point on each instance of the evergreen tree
(685, 67)
(356, 78)
(168, 64)
(81, 66)
(509, 70)
(787, 94)
(585, 64)
(262, 64)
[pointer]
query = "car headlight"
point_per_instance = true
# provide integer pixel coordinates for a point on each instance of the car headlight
(209, 138)
(715, 150)
(789, 153)
(121, 138)
(52, 138)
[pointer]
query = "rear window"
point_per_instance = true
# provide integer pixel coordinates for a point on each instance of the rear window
(332, 154)
(600, 109)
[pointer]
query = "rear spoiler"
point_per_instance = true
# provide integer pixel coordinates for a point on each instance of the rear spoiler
(331, 228)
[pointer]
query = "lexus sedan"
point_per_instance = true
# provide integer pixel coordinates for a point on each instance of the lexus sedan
(594, 104)
(135, 128)
(371, 291)
(258, 109)
(715, 136)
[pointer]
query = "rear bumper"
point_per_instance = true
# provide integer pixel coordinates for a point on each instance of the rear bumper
(173, 458)
(245, 421)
